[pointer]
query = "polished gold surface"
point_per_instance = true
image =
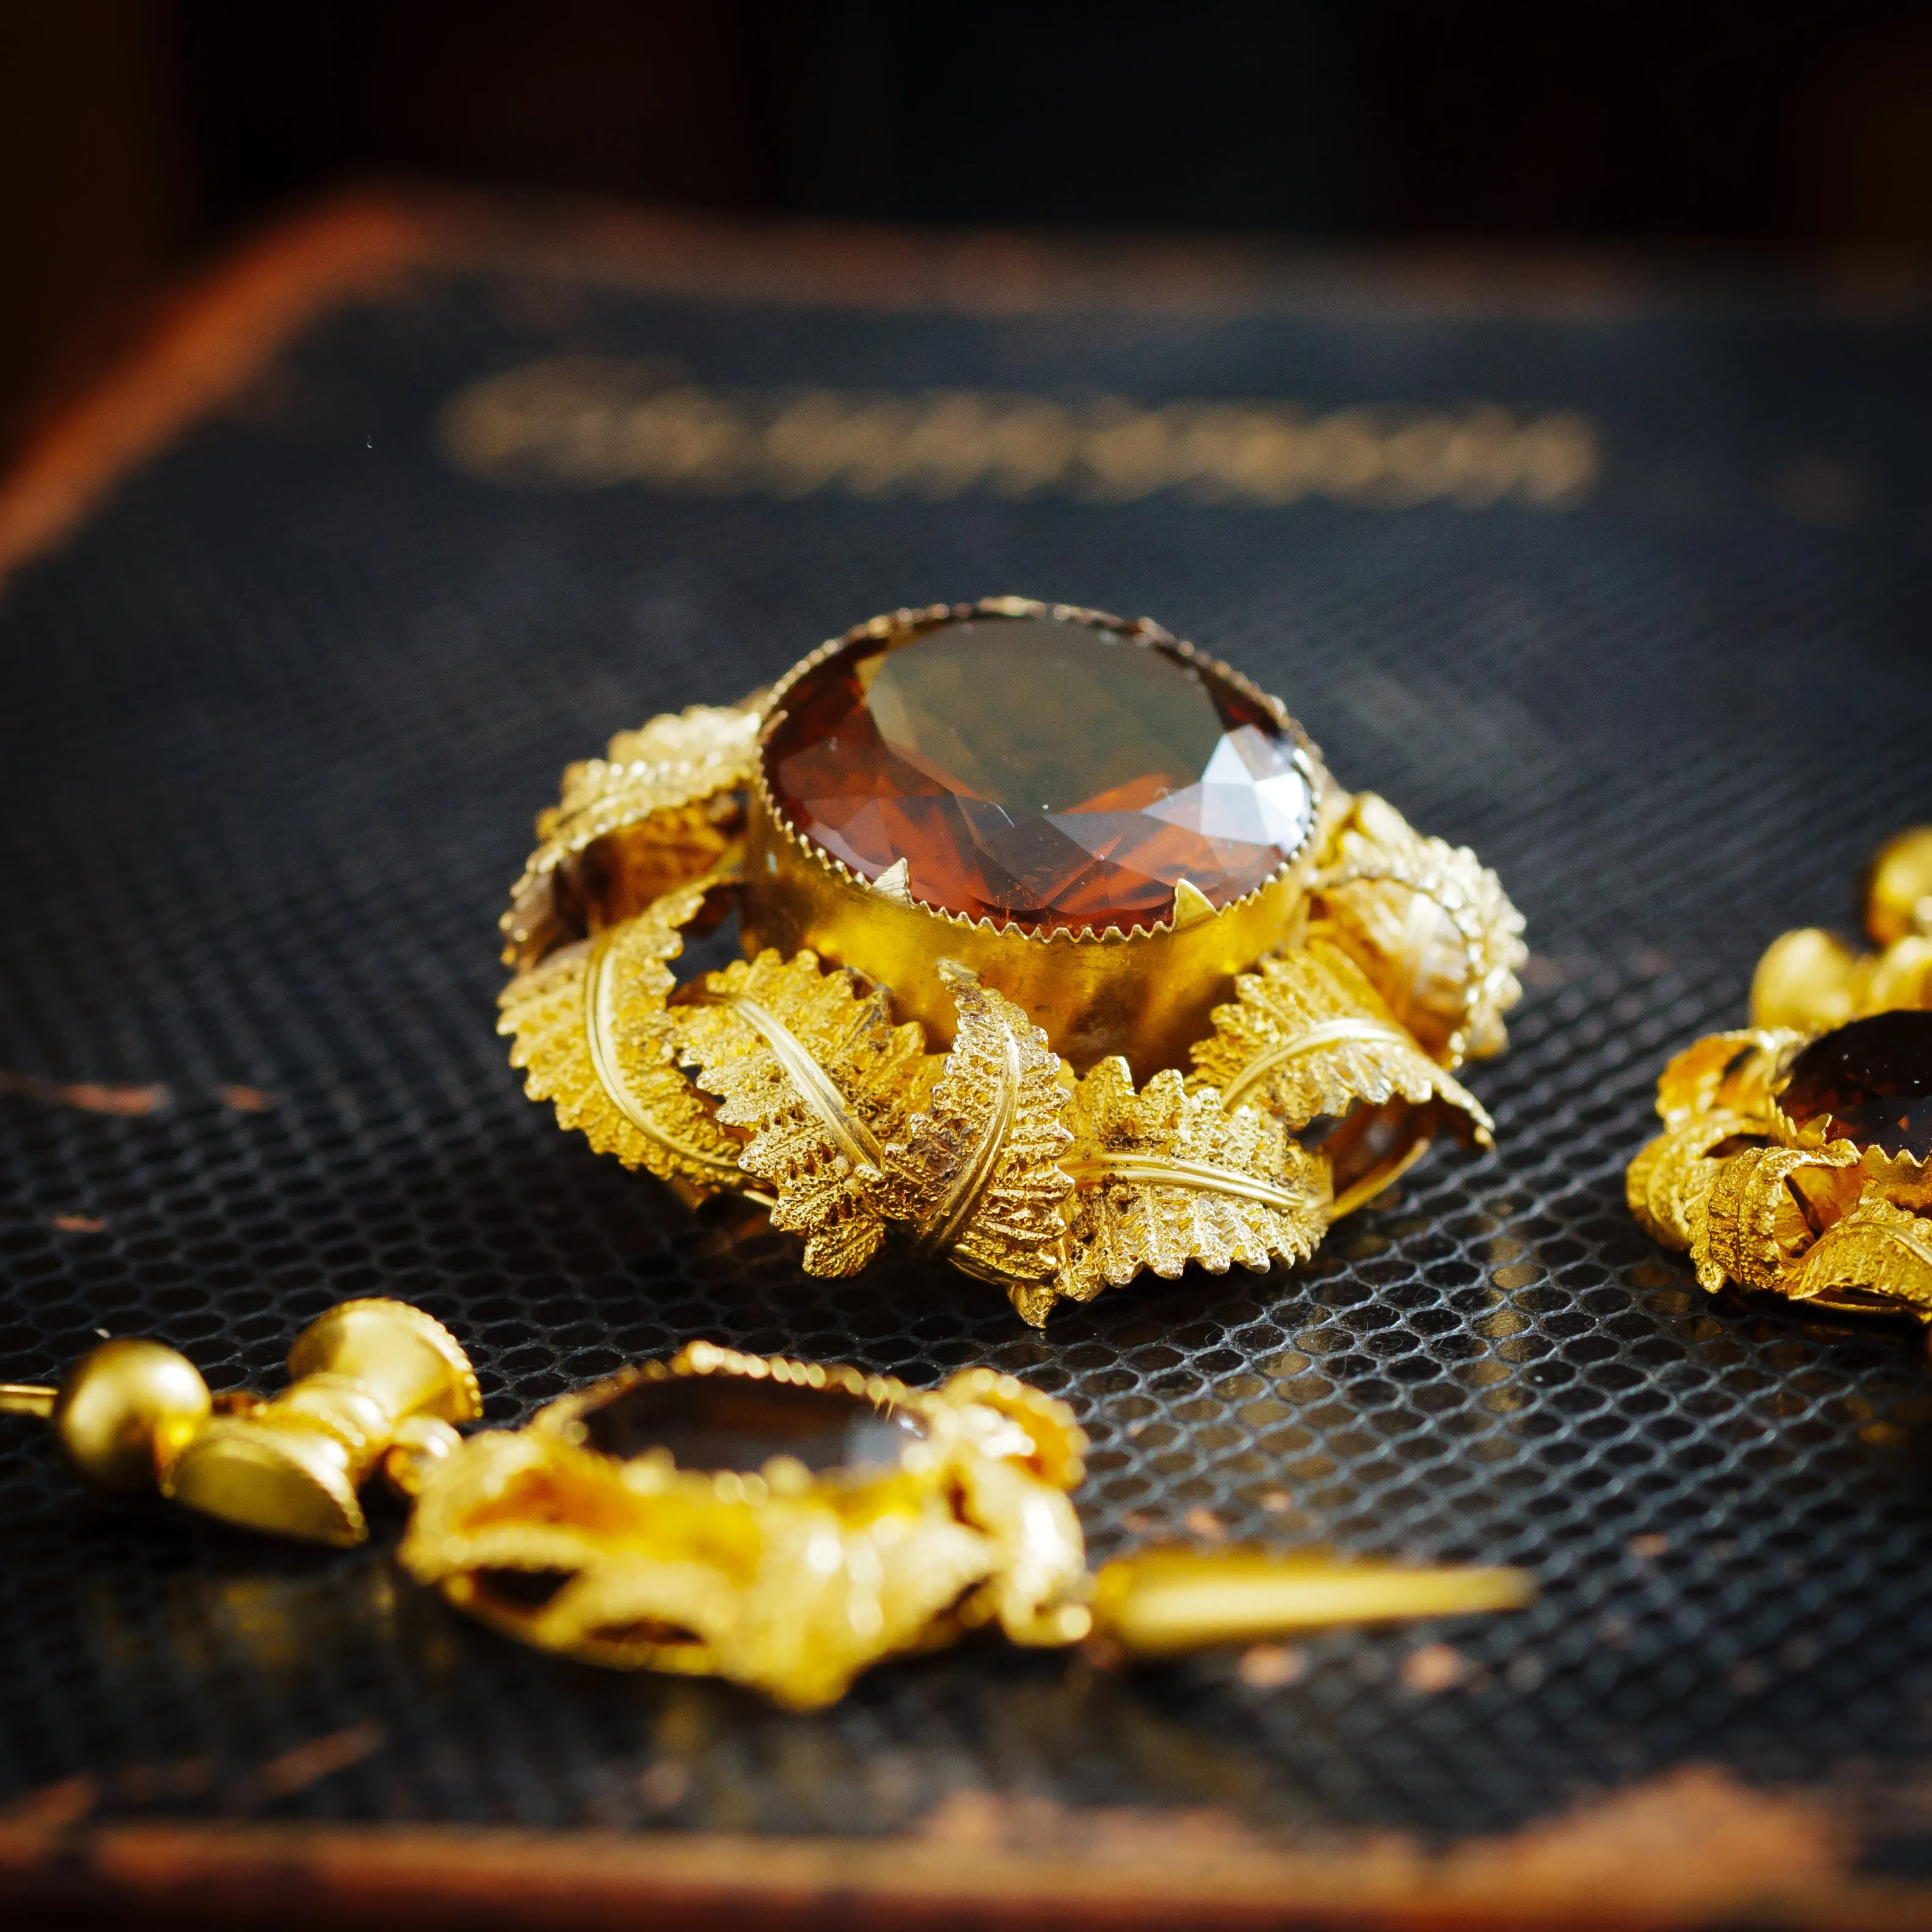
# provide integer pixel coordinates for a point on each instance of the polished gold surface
(1010, 1100)
(1898, 887)
(1811, 979)
(122, 1414)
(292, 1465)
(1164, 1602)
(1146, 997)
(125, 1410)
(370, 1376)
(793, 1582)
(1752, 1196)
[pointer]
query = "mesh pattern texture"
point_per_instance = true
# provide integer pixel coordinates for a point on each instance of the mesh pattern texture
(277, 722)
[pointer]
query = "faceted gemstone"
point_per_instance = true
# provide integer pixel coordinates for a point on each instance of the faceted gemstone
(1038, 771)
(729, 1422)
(1870, 1081)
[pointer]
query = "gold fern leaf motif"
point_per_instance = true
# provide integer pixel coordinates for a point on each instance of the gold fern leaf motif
(1164, 1178)
(1308, 1036)
(1668, 1185)
(1724, 1073)
(1752, 1224)
(663, 775)
(813, 1069)
(1432, 925)
(677, 757)
(974, 1171)
(875, 1085)
(1757, 1198)
(1878, 1255)
(593, 1034)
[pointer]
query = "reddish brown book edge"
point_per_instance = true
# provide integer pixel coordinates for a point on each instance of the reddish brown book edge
(298, 1877)
(205, 343)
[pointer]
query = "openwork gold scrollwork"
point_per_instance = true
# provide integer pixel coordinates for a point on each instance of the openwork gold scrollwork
(787, 1525)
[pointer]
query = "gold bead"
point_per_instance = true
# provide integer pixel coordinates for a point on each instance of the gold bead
(1898, 887)
(125, 1410)
(1809, 979)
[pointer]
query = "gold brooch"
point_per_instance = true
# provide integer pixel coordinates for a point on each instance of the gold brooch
(1797, 1154)
(1066, 958)
(781, 1524)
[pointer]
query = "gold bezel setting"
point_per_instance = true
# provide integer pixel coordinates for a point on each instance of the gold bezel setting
(907, 624)
(883, 1063)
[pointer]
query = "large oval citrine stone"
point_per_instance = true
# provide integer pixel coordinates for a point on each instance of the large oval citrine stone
(1039, 771)
(1870, 1082)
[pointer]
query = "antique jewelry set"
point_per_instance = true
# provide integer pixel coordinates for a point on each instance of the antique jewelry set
(1064, 959)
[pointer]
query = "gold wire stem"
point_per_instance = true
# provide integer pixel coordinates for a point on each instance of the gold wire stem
(1158, 1170)
(1328, 1032)
(941, 1228)
(850, 1135)
(26, 1399)
(600, 994)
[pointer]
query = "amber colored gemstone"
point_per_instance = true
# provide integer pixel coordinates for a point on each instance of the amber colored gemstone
(1039, 771)
(1870, 1082)
(732, 1422)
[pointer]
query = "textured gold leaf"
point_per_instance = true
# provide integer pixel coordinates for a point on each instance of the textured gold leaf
(1164, 1178)
(1878, 1250)
(814, 1071)
(1901, 1178)
(661, 776)
(1430, 923)
(1309, 1036)
(974, 1171)
(1724, 1073)
(1668, 1185)
(676, 757)
(1752, 1224)
(593, 1034)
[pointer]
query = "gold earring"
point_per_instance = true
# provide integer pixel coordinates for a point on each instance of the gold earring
(1797, 1153)
(781, 1524)
(787, 1525)
(134, 1416)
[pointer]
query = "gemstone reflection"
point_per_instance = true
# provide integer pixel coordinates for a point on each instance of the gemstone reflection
(1870, 1082)
(1040, 772)
(732, 1422)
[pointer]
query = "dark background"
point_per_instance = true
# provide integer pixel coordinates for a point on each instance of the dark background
(137, 136)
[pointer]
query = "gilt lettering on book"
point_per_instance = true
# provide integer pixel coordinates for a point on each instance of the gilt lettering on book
(587, 423)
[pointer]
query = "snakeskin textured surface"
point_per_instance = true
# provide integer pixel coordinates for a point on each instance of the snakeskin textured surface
(276, 725)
